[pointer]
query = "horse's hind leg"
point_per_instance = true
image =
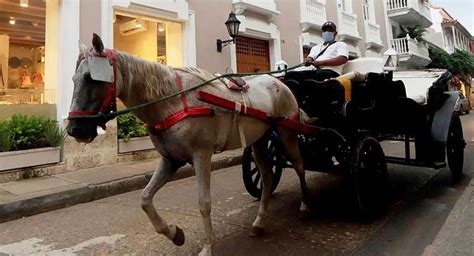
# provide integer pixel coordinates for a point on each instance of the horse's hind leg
(260, 154)
(289, 140)
(202, 167)
(165, 169)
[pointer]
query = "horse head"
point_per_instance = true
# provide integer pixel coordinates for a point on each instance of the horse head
(94, 95)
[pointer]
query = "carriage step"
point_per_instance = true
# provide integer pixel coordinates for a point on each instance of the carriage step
(412, 162)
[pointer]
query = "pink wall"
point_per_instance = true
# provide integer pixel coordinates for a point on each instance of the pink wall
(380, 19)
(90, 20)
(357, 10)
(331, 11)
(210, 16)
(290, 30)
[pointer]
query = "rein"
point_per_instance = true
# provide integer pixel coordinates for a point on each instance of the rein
(113, 114)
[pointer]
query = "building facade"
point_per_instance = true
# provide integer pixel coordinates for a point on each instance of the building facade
(403, 16)
(447, 32)
(181, 33)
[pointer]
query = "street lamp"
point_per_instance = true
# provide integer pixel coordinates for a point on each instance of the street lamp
(390, 60)
(232, 25)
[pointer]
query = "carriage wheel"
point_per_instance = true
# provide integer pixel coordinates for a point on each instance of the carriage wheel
(455, 147)
(369, 178)
(251, 174)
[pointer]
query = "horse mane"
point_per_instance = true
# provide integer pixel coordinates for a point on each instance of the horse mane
(150, 78)
(200, 73)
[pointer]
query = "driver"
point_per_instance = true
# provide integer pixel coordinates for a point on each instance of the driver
(330, 56)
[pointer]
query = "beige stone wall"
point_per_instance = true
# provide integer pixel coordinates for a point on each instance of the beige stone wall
(75, 156)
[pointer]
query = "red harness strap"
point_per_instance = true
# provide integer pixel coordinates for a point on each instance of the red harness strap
(289, 122)
(221, 102)
(185, 113)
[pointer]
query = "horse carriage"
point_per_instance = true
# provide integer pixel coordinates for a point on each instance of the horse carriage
(191, 115)
(354, 113)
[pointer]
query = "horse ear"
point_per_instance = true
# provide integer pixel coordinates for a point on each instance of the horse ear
(82, 47)
(97, 43)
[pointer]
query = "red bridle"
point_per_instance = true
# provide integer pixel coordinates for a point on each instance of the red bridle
(110, 103)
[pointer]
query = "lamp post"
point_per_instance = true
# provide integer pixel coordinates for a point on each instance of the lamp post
(390, 60)
(232, 25)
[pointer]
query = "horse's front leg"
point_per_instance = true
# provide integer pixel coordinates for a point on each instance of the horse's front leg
(165, 169)
(202, 166)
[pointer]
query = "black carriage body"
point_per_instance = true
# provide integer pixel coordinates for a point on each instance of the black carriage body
(348, 143)
(378, 107)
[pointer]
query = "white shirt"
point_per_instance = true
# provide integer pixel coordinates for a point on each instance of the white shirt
(334, 50)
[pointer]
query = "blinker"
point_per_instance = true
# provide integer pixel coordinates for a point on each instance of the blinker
(101, 69)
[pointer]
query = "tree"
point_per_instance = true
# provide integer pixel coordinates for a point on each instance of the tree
(459, 63)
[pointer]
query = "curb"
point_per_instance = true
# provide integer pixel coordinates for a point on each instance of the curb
(87, 193)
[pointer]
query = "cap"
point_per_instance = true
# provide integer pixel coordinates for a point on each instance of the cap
(328, 26)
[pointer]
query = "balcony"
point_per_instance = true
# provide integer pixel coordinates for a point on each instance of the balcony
(372, 35)
(413, 54)
(263, 7)
(409, 12)
(313, 14)
(348, 27)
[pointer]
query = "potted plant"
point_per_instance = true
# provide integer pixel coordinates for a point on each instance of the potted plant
(27, 141)
(417, 33)
(132, 134)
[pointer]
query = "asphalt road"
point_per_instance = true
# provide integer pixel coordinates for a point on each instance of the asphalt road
(420, 200)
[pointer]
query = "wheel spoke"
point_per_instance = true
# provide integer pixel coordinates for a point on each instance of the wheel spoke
(256, 180)
(254, 170)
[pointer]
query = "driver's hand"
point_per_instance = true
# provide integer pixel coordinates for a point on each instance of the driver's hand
(308, 63)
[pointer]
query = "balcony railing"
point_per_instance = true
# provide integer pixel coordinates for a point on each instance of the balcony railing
(348, 26)
(413, 53)
(372, 35)
(264, 7)
(313, 14)
(410, 12)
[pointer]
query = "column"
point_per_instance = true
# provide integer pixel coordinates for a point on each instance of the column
(454, 37)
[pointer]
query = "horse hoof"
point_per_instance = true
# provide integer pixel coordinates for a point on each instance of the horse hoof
(256, 232)
(178, 237)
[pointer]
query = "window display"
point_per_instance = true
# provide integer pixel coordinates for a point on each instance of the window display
(22, 53)
(150, 38)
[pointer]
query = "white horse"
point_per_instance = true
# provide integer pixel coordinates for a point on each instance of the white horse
(101, 75)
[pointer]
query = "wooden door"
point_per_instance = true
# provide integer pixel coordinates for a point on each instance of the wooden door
(252, 55)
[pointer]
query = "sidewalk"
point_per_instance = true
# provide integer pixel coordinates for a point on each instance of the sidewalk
(456, 237)
(32, 196)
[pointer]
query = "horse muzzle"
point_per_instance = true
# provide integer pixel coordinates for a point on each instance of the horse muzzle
(81, 132)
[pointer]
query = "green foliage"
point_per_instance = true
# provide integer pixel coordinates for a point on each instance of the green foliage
(417, 33)
(28, 132)
(460, 62)
(6, 138)
(22, 132)
(129, 127)
(54, 135)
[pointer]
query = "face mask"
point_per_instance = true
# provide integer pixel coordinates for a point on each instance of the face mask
(328, 36)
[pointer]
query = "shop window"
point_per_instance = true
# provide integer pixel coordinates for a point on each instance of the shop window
(149, 38)
(22, 59)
